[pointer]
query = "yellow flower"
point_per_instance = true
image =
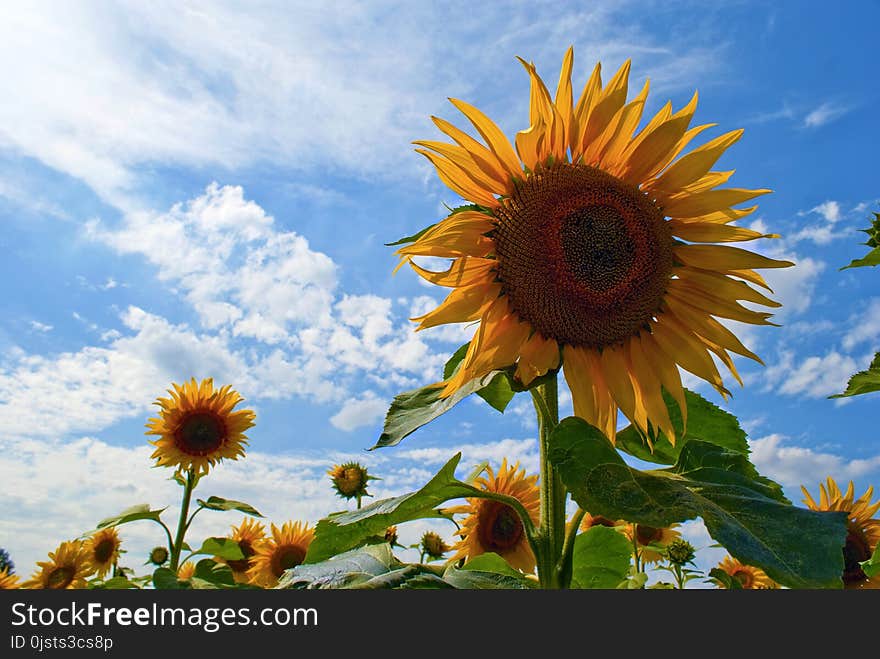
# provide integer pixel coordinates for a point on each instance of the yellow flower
(186, 571)
(8, 581)
(67, 568)
(102, 551)
(197, 427)
(863, 530)
(591, 246)
(248, 534)
(750, 578)
(492, 526)
(286, 549)
(647, 536)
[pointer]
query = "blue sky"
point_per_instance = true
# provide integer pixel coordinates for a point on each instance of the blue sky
(199, 189)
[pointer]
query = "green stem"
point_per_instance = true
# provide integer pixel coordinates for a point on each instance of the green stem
(635, 542)
(359, 501)
(565, 566)
(551, 532)
(182, 522)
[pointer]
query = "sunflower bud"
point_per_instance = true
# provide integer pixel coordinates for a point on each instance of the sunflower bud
(158, 555)
(391, 535)
(350, 480)
(432, 545)
(680, 552)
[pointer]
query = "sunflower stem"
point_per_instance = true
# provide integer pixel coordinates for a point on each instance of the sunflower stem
(551, 532)
(182, 522)
(635, 543)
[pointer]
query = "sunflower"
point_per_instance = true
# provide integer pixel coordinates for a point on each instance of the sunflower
(649, 536)
(590, 246)
(197, 427)
(286, 549)
(247, 535)
(863, 530)
(102, 551)
(186, 571)
(749, 577)
(589, 521)
(433, 546)
(350, 480)
(158, 556)
(492, 526)
(8, 581)
(67, 568)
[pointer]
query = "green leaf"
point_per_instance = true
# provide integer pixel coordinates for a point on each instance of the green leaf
(219, 503)
(481, 580)
(340, 571)
(140, 511)
(498, 393)
(165, 579)
(724, 580)
(343, 531)
(412, 409)
(863, 382)
(872, 258)
(797, 547)
(412, 238)
(210, 575)
(871, 567)
(706, 422)
(114, 583)
(601, 558)
(225, 548)
(492, 562)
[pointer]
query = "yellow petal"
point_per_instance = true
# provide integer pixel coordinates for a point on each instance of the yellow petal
(707, 182)
(709, 232)
(724, 257)
(590, 397)
(719, 217)
(655, 149)
(695, 164)
(564, 96)
(702, 203)
(706, 326)
(606, 149)
(682, 346)
(647, 383)
(715, 305)
(682, 143)
(610, 100)
(495, 139)
(484, 158)
(530, 144)
(459, 181)
(537, 356)
(464, 161)
(720, 285)
(461, 234)
(580, 117)
(616, 375)
(464, 271)
(667, 370)
(462, 305)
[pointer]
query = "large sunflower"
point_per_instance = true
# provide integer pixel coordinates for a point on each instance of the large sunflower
(102, 551)
(749, 577)
(588, 246)
(492, 526)
(286, 548)
(8, 581)
(197, 427)
(863, 530)
(67, 568)
(648, 537)
(247, 535)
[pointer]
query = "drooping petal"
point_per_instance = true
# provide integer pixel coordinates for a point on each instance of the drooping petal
(537, 356)
(463, 271)
(462, 305)
(589, 393)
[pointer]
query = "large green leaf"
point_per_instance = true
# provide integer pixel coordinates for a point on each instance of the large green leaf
(225, 548)
(481, 580)
(341, 571)
(219, 503)
(863, 382)
(795, 546)
(343, 531)
(601, 558)
(872, 258)
(140, 511)
(705, 421)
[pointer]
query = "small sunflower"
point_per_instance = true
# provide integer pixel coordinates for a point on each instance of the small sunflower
(8, 581)
(186, 571)
(863, 529)
(749, 577)
(680, 552)
(102, 550)
(589, 521)
(197, 427)
(67, 568)
(350, 480)
(158, 555)
(248, 534)
(591, 246)
(433, 546)
(492, 526)
(391, 536)
(286, 548)
(648, 536)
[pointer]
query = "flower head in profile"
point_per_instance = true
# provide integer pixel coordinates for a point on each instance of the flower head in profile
(286, 549)
(749, 577)
(67, 568)
(494, 526)
(863, 529)
(433, 546)
(197, 427)
(102, 551)
(248, 534)
(596, 246)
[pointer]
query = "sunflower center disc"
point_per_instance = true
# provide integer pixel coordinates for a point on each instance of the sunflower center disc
(104, 550)
(584, 257)
(648, 534)
(286, 558)
(60, 577)
(501, 528)
(200, 433)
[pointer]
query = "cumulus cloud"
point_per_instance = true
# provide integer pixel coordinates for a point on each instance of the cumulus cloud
(865, 326)
(365, 410)
(813, 377)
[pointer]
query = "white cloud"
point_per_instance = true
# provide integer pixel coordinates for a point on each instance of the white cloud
(865, 326)
(367, 410)
(37, 326)
(793, 287)
(825, 113)
(813, 377)
(793, 466)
